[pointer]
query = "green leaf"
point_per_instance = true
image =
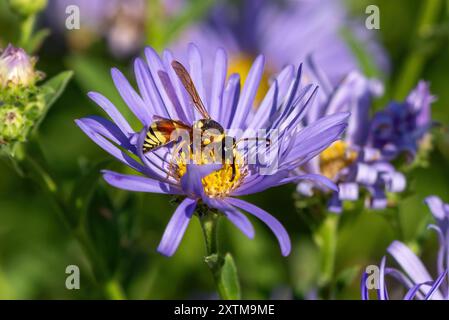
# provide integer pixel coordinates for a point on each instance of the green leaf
(37, 39)
(227, 279)
(52, 90)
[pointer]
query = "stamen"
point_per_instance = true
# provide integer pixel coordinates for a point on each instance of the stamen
(336, 157)
(219, 183)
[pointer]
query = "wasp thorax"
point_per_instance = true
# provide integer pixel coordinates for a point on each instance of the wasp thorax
(210, 130)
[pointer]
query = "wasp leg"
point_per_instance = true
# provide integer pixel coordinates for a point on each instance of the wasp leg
(174, 153)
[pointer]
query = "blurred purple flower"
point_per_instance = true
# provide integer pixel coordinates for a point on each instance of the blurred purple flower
(121, 22)
(401, 127)
(209, 185)
(285, 32)
(414, 275)
(350, 163)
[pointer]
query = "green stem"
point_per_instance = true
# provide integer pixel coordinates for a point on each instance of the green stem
(26, 30)
(326, 238)
(222, 267)
(415, 62)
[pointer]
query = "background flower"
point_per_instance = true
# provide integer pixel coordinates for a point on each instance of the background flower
(121, 22)
(286, 32)
(415, 278)
(351, 163)
(403, 126)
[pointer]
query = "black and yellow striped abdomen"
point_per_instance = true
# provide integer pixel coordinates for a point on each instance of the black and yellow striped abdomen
(160, 133)
(154, 138)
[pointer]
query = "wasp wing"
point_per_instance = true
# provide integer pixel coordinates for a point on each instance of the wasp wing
(188, 84)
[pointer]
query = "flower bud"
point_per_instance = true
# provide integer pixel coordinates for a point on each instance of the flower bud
(16, 68)
(12, 124)
(27, 7)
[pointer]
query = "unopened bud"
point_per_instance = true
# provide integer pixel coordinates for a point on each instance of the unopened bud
(16, 68)
(12, 124)
(27, 7)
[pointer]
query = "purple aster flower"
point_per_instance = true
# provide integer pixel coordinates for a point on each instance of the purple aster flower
(402, 127)
(121, 22)
(207, 185)
(285, 32)
(415, 277)
(350, 163)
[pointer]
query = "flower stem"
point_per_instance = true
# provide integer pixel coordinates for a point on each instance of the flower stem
(26, 29)
(326, 238)
(415, 62)
(222, 266)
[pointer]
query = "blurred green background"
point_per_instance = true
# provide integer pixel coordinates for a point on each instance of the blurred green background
(36, 247)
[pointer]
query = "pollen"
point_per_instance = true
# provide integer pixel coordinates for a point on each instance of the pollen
(336, 157)
(219, 183)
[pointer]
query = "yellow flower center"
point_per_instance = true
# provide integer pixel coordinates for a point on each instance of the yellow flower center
(241, 64)
(219, 183)
(336, 157)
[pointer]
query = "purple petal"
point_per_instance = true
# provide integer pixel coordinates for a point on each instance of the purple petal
(363, 288)
(395, 181)
(155, 65)
(191, 180)
(233, 215)
(366, 174)
(171, 94)
(318, 179)
(275, 226)
(382, 291)
(413, 291)
(305, 188)
(138, 183)
(437, 208)
(411, 264)
(148, 89)
(249, 92)
(317, 136)
(196, 71)
(335, 204)
(348, 191)
(131, 98)
(436, 285)
(218, 82)
(112, 111)
(269, 104)
(378, 199)
(176, 227)
(230, 100)
(90, 128)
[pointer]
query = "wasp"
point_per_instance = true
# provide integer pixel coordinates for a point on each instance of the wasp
(160, 132)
